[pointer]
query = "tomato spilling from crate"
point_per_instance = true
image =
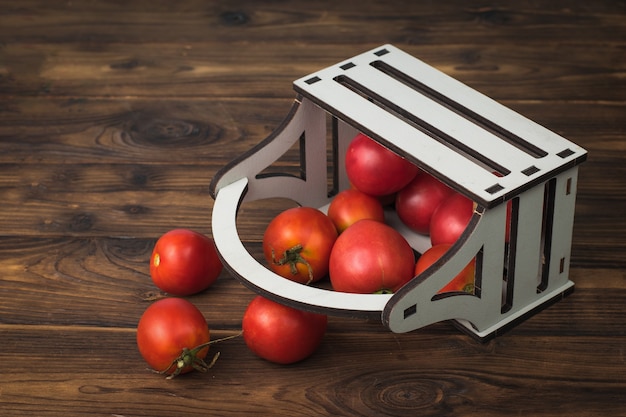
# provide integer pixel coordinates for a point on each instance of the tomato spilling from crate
(184, 262)
(281, 334)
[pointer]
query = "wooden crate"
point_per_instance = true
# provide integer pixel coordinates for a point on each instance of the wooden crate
(480, 148)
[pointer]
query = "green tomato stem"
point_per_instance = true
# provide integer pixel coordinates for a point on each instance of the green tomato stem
(189, 357)
(293, 257)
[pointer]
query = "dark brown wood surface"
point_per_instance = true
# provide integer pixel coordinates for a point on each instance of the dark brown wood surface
(114, 117)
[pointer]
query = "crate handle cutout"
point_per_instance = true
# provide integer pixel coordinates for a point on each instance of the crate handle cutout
(517, 172)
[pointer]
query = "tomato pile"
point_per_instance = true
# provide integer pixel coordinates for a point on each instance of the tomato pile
(351, 244)
(367, 255)
(173, 336)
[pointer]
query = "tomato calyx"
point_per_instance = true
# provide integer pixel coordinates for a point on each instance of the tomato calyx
(189, 357)
(292, 257)
(383, 291)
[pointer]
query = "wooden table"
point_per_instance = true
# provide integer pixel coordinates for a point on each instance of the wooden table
(114, 117)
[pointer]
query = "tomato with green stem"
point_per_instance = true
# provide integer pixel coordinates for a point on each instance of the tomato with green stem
(297, 244)
(169, 334)
(173, 337)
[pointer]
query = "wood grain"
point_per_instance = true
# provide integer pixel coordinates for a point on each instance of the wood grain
(211, 70)
(433, 375)
(114, 118)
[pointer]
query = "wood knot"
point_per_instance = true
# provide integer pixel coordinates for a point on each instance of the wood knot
(171, 133)
(493, 16)
(395, 392)
(126, 65)
(234, 18)
(139, 178)
(81, 222)
(135, 209)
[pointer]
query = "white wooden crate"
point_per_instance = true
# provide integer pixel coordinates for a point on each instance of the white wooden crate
(456, 134)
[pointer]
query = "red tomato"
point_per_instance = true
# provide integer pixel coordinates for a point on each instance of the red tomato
(171, 337)
(297, 244)
(416, 202)
(376, 170)
(281, 334)
(450, 219)
(371, 257)
(352, 205)
(464, 281)
(184, 262)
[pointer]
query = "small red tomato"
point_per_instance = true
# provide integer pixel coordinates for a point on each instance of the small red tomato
(416, 203)
(464, 281)
(371, 257)
(374, 169)
(297, 244)
(281, 334)
(352, 205)
(184, 262)
(171, 337)
(450, 219)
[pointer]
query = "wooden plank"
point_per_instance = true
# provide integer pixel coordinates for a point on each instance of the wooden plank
(452, 376)
(171, 131)
(105, 281)
(411, 22)
(208, 131)
(210, 69)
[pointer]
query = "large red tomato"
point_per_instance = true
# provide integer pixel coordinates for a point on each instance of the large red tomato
(184, 262)
(297, 244)
(172, 337)
(281, 334)
(376, 170)
(464, 281)
(416, 202)
(352, 205)
(450, 219)
(371, 257)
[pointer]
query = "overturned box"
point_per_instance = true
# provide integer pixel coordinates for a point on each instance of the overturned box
(480, 148)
